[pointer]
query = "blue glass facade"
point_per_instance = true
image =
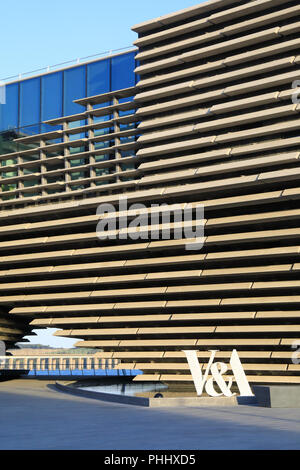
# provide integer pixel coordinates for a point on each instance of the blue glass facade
(10, 118)
(49, 96)
(29, 104)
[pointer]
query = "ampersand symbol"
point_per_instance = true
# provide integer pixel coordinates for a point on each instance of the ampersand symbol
(217, 370)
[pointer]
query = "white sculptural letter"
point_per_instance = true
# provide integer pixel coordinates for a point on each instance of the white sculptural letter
(240, 375)
(196, 369)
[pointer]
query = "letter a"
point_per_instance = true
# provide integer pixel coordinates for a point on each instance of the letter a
(240, 376)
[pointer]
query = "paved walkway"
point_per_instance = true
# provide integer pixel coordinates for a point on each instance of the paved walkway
(34, 416)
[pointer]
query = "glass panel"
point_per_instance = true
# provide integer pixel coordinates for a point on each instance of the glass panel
(9, 110)
(122, 74)
(52, 191)
(98, 78)
(9, 174)
(102, 183)
(74, 89)
(7, 197)
(53, 141)
(127, 112)
(79, 175)
(29, 171)
(52, 97)
(7, 144)
(12, 161)
(29, 130)
(9, 187)
(74, 150)
(31, 194)
(127, 153)
(103, 171)
(128, 178)
(127, 127)
(54, 179)
(102, 145)
(33, 182)
(30, 102)
(78, 162)
(57, 166)
(74, 125)
(76, 137)
(76, 187)
(98, 82)
(105, 130)
(30, 158)
(129, 166)
(100, 158)
(125, 140)
(53, 154)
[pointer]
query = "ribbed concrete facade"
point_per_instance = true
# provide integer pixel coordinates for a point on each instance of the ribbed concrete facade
(213, 123)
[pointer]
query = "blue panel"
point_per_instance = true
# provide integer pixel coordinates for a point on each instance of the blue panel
(98, 77)
(54, 372)
(74, 89)
(88, 372)
(137, 77)
(30, 93)
(30, 130)
(52, 97)
(125, 372)
(112, 372)
(122, 71)
(100, 372)
(9, 110)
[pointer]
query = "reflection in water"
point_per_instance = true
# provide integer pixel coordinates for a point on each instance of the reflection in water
(127, 389)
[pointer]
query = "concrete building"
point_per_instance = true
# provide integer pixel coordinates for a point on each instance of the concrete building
(213, 120)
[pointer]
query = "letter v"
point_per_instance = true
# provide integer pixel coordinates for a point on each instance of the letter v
(196, 369)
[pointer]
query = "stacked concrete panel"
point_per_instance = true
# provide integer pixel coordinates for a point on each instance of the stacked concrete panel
(215, 124)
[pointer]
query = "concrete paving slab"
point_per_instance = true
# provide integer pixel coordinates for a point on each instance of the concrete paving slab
(33, 416)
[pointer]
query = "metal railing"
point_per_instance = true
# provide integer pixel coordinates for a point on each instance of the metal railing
(57, 363)
(50, 68)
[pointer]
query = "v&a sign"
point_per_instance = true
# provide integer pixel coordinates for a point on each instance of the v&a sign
(216, 370)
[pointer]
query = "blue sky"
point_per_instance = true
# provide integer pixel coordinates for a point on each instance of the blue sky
(46, 338)
(35, 34)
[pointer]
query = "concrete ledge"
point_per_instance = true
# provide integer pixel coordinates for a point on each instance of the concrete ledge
(277, 396)
(193, 401)
(157, 402)
(109, 397)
